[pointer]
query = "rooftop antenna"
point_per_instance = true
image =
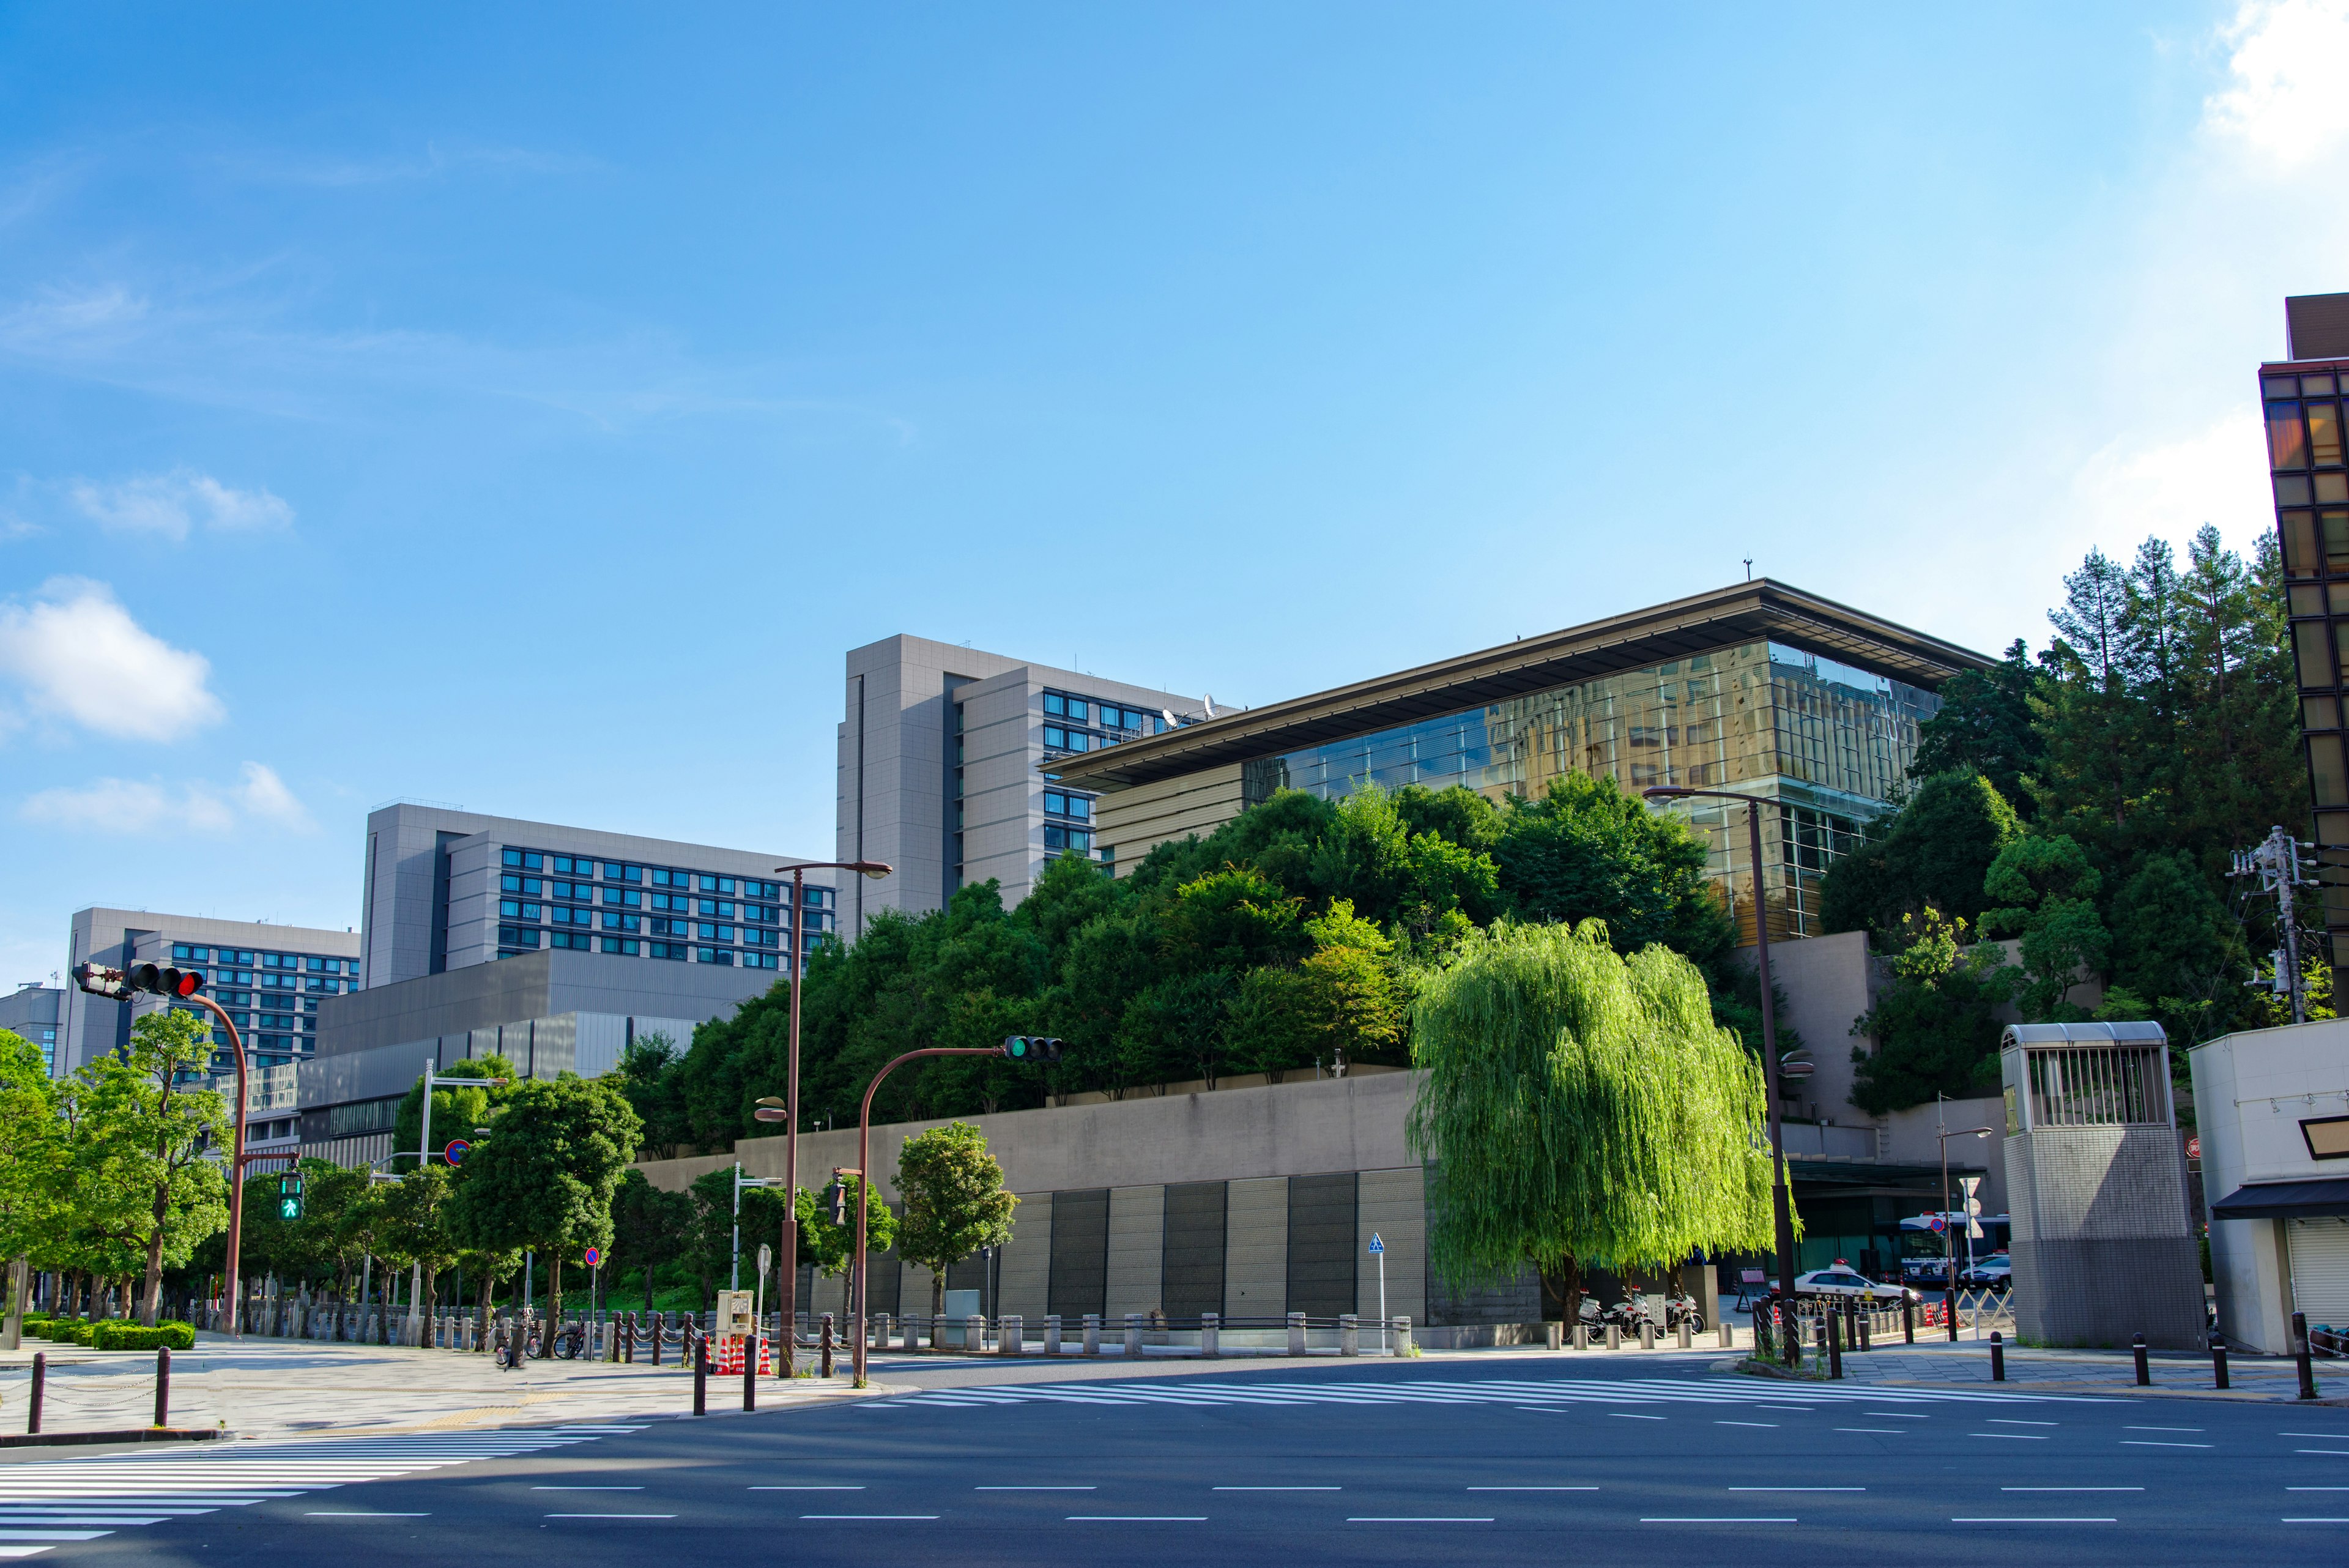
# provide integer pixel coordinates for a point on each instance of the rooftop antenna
(1749, 568)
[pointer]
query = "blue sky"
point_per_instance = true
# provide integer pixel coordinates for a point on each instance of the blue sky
(527, 411)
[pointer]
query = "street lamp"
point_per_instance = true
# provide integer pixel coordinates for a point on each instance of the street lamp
(1781, 1202)
(1949, 1233)
(787, 1279)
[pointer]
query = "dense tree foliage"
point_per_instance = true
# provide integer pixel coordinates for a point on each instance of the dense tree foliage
(2088, 804)
(955, 1202)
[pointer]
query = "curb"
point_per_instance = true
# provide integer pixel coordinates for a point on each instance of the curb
(131, 1435)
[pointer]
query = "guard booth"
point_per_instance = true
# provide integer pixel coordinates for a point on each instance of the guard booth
(2103, 1243)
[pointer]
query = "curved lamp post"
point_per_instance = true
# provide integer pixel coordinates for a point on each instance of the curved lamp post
(787, 1278)
(1781, 1203)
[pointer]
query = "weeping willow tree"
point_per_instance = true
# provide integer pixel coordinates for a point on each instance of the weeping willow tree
(1582, 1108)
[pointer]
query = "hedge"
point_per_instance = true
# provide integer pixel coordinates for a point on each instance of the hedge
(138, 1336)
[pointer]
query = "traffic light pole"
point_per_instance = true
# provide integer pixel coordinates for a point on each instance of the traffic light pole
(864, 1187)
(236, 1165)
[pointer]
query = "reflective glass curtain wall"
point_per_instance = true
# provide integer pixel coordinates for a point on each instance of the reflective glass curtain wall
(2303, 404)
(1828, 740)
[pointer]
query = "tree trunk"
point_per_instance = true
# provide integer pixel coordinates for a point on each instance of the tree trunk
(554, 1299)
(937, 1296)
(1564, 1279)
(154, 1292)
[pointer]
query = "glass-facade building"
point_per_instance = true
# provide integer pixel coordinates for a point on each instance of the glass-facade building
(2301, 403)
(1828, 740)
(272, 997)
(672, 913)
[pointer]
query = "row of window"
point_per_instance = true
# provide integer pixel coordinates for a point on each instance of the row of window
(612, 871)
(515, 941)
(1079, 806)
(191, 952)
(2305, 435)
(1067, 838)
(1106, 715)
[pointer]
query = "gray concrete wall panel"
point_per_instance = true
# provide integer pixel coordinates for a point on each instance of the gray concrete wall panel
(1137, 1248)
(1323, 1215)
(1193, 1267)
(1079, 1273)
(1256, 1257)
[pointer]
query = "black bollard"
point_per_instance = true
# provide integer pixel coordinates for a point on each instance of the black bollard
(700, 1348)
(1950, 1311)
(40, 1386)
(1835, 1343)
(628, 1340)
(2218, 1363)
(750, 1373)
(824, 1344)
(1908, 1318)
(1861, 1337)
(1997, 1356)
(2144, 1371)
(2301, 1353)
(163, 1385)
(657, 1338)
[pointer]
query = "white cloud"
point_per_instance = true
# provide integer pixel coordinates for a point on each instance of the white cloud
(2217, 475)
(172, 503)
(75, 654)
(2290, 62)
(141, 808)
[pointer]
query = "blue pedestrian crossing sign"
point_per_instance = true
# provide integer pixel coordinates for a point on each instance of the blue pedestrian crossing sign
(1377, 1246)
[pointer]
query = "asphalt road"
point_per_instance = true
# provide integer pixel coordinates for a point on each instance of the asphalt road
(1526, 1460)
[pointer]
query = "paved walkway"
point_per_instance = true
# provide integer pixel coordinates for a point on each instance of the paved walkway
(1966, 1364)
(273, 1388)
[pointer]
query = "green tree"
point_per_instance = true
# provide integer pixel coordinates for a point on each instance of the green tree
(832, 1248)
(1935, 1029)
(417, 1215)
(650, 1228)
(1936, 852)
(544, 1177)
(138, 1177)
(650, 1078)
(1984, 726)
(955, 1203)
(1581, 1107)
(2175, 948)
(457, 1109)
(2046, 889)
(33, 1157)
(1586, 850)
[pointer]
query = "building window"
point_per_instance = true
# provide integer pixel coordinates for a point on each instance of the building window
(582, 891)
(515, 910)
(710, 933)
(768, 890)
(525, 859)
(1075, 806)
(613, 923)
(722, 908)
(518, 935)
(570, 865)
(624, 897)
(563, 916)
(1060, 739)
(675, 951)
(764, 914)
(664, 878)
(718, 884)
(579, 941)
(762, 961)
(713, 955)
(622, 945)
(763, 938)
(662, 926)
(614, 872)
(530, 886)
(1057, 837)
(676, 903)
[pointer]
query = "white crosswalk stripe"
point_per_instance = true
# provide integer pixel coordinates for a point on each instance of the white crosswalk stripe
(43, 1504)
(1522, 1393)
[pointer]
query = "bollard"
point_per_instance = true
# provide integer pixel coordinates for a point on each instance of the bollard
(824, 1346)
(1861, 1325)
(2301, 1353)
(1908, 1318)
(1093, 1334)
(1582, 1340)
(40, 1384)
(974, 1335)
(1726, 1335)
(2144, 1372)
(1950, 1311)
(881, 1331)
(1835, 1343)
(1349, 1334)
(628, 1340)
(1211, 1335)
(1647, 1334)
(1051, 1333)
(1133, 1336)
(1013, 1338)
(1997, 1356)
(657, 1338)
(163, 1385)
(701, 1350)
(1614, 1337)
(2218, 1363)
(1403, 1337)
(750, 1373)
(1685, 1332)
(1556, 1333)
(1297, 1334)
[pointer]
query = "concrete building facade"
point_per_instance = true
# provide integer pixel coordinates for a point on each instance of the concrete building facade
(273, 979)
(945, 754)
(35, 1012)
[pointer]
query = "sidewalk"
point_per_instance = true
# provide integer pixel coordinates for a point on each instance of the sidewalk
(1966, 1364)
(276, 1387)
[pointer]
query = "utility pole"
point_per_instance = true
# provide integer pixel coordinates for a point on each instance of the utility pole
(2276, 862)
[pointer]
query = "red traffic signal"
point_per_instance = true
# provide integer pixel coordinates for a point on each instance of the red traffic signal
(163, 980)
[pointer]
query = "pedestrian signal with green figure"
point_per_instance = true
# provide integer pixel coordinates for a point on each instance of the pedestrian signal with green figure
(289, 1196)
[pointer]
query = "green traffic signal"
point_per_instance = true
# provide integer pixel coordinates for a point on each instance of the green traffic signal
(1031, 1048)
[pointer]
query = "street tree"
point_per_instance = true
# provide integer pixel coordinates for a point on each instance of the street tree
(832, 1248)
(457, 1108)
(544, 1177)
(416, 1214)
(650, 1228)
(32, 1148)
(955, 1203)
(1581, 1107)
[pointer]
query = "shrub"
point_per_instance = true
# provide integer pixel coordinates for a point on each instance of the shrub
(138, 1336)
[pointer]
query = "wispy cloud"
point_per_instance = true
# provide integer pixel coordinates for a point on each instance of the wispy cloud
(2134, 487)
(437, 159)
(174, 504)
(141, 808)
(76, 656)
(2288, 61)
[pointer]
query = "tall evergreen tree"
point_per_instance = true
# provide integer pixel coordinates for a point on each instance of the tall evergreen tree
(1985, 725)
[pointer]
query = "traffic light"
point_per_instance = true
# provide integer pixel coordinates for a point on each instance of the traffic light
(836, 1195)
(289, 1196)
(163, 980)
(99, 981)
(1032, 1048)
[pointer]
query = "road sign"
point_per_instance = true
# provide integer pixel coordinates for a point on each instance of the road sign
(2194, 1148)
(595, 1257)
(1377, 1246)
(457, 1150)
(766, 1258)
(1937, 1223)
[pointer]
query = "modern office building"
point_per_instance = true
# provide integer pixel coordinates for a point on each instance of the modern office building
(1759, 687)
(942, 767)
(446, 888)
(35, 1012)
(2301, 398)
(270, 979)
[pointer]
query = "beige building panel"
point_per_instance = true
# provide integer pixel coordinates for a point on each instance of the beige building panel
(1256, 1248)
(1392, 1205)
(1134, 821)
(1026, 1278)
(1137, 1248)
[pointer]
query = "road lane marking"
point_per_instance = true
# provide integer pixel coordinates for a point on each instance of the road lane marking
(586, 1488)
(611, 1516)
(2328, 1435)
(1767, 1426)
(807, 1489)
(354, 1513)
(2161, 1428)
(2006, 1421)
(2071, 1489)
(2033, 1519)
(2344, 1520)
(1417, 1519)
(1279, 1488)
(1035, 1489)
(1798, 1489)
(868, 1516)
(2155, 1443)
(2337, 1453)
(1626, 1416)
(1896, 1415)
(2018, 1437)
(1887, 1432)
(1785, 1407)
(53, 1534)
(1532, 1488)
(2317, 1488)
(1718, 1518)
(1137, 1519)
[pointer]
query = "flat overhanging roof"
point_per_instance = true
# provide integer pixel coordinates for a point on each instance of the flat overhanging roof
(1760, 610)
